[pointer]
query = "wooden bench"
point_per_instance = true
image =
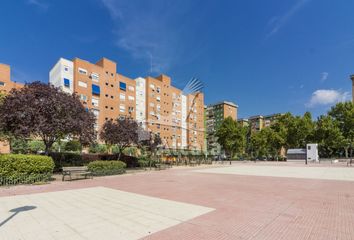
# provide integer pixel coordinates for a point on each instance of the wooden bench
(78, 171)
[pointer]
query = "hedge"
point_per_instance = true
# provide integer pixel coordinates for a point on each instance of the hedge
(19, 168)
(75, 159)
(103, 168)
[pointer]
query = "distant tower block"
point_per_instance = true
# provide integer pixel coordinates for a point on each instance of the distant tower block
(352, 77)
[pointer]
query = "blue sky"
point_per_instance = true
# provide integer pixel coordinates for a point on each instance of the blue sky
(266, 56)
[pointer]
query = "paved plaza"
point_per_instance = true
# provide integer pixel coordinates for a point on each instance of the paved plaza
(242, 201)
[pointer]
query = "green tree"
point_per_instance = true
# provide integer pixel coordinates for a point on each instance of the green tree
(232, 137)
(343, 114)
(328, 136)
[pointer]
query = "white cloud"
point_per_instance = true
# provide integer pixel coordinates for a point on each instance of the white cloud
(324, 76)
(143, 30)
(277, 22)
(38, 3)
(327, 97)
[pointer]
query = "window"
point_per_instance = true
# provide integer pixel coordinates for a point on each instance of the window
(95, 77)
(83, 84)
(95, 89)
(158, 89)
(131, 88)
(152, 104)
(122, 97)
(130, 109)
(96, 112)
(158, 98)
(83, 97)
(152, 86)
(82, 71)
(131, 98)
(2, 84)
(122, 86)
(66, 82)
(122, 108)
(66, 68)
(308, 147)
(95, 102)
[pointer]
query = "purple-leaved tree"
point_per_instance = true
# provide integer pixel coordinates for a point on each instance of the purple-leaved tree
(42, 111)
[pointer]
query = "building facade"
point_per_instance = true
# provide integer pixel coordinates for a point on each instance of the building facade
(215, 114)
(258, 122)
(152, 101)
(5, 79)
(5, 87)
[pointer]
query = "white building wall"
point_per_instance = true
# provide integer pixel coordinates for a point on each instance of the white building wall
(141, 101)
(184, 121)
(63, 69)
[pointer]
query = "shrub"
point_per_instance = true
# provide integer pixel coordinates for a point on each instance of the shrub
(103, 168)
(66, 160)
(19, 146)
(145, 162)
(98, 148)
(18, 168)
(73, 146)
(36, 146)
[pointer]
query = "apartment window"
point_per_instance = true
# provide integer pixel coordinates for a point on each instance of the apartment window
(122, 86)
(83, 97)
(122, 108)
(131, 98)
(96, 112)
(83, 84)
(158, 98)
(2, 84)
(122, 97)
(66, 68)
(158, 89)
(152, 86)
(152, 104)
(95, 102)
(95, 77)
(131, 88)
(95, 89)
(82, 71)
(130, 109)
(66, 82)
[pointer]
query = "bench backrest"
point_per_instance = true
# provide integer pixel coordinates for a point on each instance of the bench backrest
(83, 168)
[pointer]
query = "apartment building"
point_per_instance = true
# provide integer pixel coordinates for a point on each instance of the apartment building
(215, 114)
(5, 87)
(152, 101)
(258, 122)
(5, 79)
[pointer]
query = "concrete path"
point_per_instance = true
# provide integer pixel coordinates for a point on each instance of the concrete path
(309, 172)
(177, 204)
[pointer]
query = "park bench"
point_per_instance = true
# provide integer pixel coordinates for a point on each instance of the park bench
(77, 171)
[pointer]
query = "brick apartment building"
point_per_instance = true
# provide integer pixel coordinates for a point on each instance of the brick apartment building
(215, 114)
(152, 101)
(259, 122)
(5, 86)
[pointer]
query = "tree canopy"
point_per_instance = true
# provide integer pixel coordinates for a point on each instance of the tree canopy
(42, 111)
(121, 132)
(231, 136)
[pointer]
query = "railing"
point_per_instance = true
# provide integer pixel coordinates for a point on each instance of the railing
(24, 179)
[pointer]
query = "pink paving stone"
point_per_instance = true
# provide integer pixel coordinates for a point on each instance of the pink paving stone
(247, 207)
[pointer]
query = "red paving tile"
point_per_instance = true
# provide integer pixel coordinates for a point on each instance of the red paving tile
(247, 207)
